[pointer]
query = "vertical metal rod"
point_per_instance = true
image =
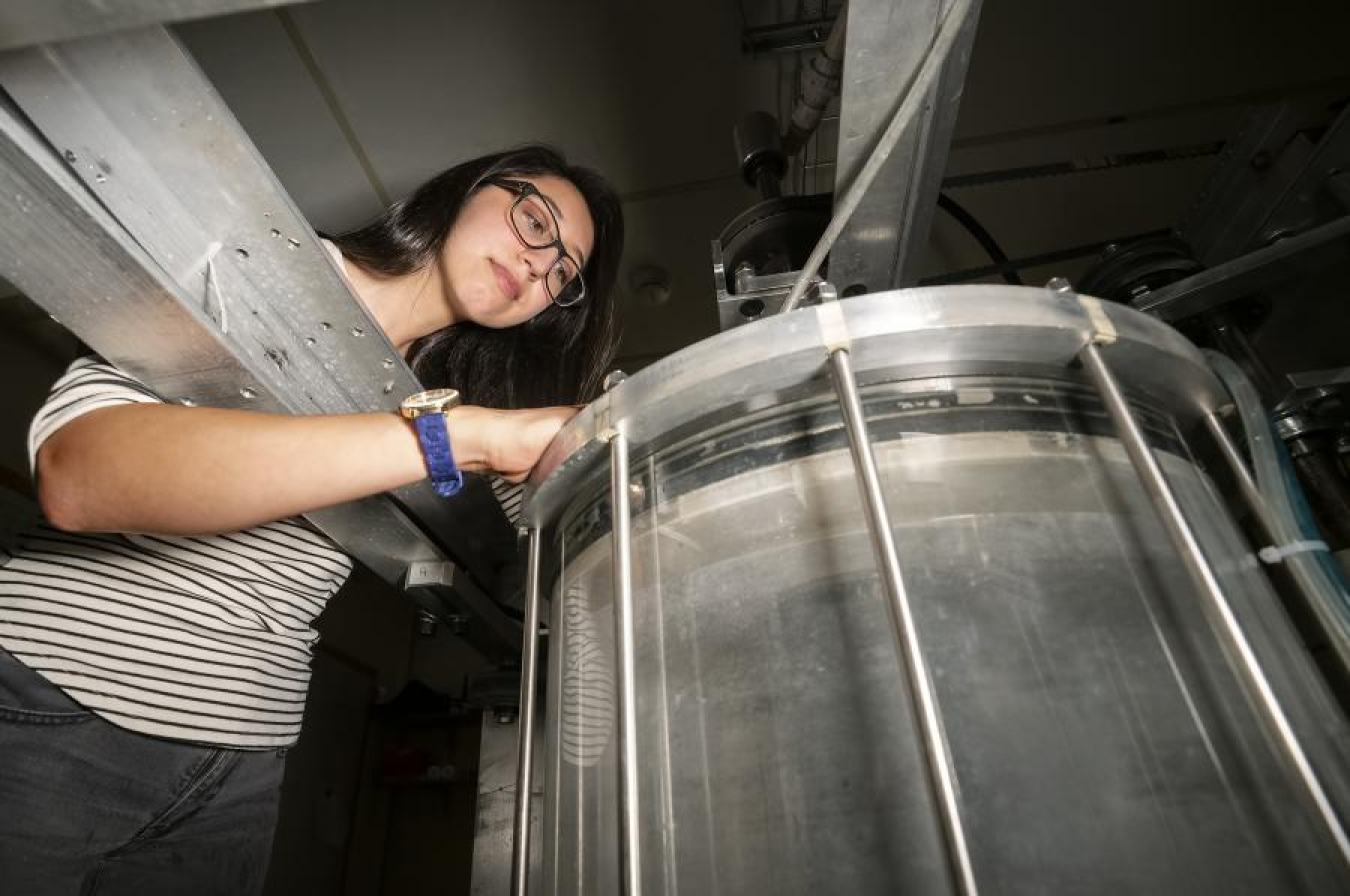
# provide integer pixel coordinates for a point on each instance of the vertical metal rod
(1299, 573)
(1246, 482)
(941, 776)
(1188, 545)
(630, 859)
(529, 662)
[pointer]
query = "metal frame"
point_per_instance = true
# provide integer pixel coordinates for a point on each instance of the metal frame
(1320, 247)
(630, 853)
(1183, 537)
(937, 757)
(144, 220)
(24, 23)
(880, 246)
(770, 291)
(1266, 187)
(909, 336)
(494, 831)
(529, 671)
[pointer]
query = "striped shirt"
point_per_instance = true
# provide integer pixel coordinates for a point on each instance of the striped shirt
(203, 638)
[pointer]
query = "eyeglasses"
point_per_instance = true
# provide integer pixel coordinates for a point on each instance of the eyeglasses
(537, 227)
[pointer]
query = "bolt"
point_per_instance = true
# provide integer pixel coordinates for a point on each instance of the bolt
(744, 271)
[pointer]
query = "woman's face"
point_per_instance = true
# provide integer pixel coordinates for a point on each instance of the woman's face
(491, 277)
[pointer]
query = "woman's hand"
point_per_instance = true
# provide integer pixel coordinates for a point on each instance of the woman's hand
(508, 443)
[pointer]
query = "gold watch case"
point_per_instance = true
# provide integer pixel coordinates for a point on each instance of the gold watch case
(432, 401)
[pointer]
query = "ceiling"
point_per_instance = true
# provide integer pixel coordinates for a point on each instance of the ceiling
(354, 102)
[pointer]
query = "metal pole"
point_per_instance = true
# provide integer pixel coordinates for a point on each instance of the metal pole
(1184, 538)
(630, 864)
(1246, 483)
(1299, 573)
(529, 661)
(941, 776)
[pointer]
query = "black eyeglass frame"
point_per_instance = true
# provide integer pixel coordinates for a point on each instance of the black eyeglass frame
(522, 190)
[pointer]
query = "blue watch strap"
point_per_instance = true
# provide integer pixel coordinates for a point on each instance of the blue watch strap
(435, 440)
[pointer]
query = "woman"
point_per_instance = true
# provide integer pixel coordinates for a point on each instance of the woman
(151, 680)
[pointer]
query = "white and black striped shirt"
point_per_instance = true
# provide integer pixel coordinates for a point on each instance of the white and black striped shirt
(203, 638)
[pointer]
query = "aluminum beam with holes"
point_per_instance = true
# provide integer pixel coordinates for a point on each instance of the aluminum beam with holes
(24, 23)
(140, 216)
(885, 43)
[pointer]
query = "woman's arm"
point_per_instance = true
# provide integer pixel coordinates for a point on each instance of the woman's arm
(183, 471)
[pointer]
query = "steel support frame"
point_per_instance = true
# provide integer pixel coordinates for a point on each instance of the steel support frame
(880, 247)
(1271, 183)
(140, 216)
(1294, 256)
(24, 23)
(494, 829)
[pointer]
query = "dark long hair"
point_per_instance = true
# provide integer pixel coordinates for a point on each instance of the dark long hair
(558, 357)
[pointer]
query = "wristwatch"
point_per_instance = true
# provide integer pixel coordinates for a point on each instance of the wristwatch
(427, 410)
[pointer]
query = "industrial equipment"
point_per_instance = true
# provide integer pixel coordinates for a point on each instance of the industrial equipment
(938, 590)
(961, 589)
(1055, 668)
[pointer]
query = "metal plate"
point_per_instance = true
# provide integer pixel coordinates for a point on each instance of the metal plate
(880, 247)
(898, 335)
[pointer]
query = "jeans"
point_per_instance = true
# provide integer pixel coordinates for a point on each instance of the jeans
(91, 809)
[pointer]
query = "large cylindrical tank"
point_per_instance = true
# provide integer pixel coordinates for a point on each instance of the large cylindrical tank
(1101, 735)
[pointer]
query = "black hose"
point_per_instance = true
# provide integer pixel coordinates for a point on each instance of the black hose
(982, 236)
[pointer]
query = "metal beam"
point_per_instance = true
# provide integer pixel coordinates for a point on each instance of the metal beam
(1292, 257)
(885, 43)
(24, 23)
(139, 215)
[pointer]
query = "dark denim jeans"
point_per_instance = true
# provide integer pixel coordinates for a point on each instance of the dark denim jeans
(89, 808)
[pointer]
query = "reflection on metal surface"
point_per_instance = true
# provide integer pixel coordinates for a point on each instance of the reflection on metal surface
(630, 844)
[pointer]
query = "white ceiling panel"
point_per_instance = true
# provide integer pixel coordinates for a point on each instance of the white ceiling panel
(255, 67)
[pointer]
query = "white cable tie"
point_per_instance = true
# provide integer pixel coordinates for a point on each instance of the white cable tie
(1273, 554)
